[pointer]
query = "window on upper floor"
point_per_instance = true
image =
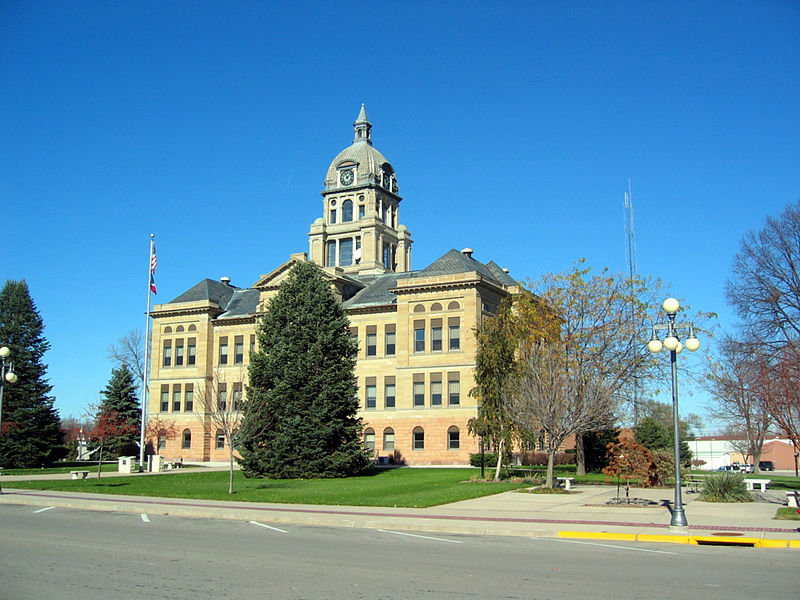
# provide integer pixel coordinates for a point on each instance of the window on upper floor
(164, 398)
(453, 389)
(167, 353)
(176, 398)
(238, 350)
(372, 343)
(390, 340)
(347, 211)
(191, 351)
(237, 396)
(419, 393)
(389, 394)
(436, 389)
(252, 345)
(331, 262)
(188, 398)
(332, 218)
(419, 336)
(222, 397)
(178, 353)
(223, 350)
(454, 334)
(372, 394)
(436, 335)
(346, 252)
(361, 210)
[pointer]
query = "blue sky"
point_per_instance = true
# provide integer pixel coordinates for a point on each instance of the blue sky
(513, 128)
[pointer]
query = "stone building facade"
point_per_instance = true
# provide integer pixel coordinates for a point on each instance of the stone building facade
(414, 328)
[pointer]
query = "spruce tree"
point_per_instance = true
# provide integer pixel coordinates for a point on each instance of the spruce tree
(119, 397)
(31, 436)
(300, 415)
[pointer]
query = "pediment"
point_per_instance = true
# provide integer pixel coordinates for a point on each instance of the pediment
(273, 279)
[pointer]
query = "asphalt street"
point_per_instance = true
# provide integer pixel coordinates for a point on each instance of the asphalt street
(64, 553)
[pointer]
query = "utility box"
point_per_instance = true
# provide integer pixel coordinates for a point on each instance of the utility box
(127, 464)
(155, 463)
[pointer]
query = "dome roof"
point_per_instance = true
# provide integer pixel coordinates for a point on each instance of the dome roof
(371, 164)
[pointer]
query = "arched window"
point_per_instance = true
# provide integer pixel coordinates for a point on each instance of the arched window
(347, 210)
(369, 439)
(220, 439)
(436, 307)
(167, 329)
(388, 439)
(419, 308)
(186, 439)
(453, 438)
(453, 306)
(419, 438)
(192, 327)
(179, 329)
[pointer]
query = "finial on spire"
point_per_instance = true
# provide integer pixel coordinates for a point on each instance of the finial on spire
(362, 127)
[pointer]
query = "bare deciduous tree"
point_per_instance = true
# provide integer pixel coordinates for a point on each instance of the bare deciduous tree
(130, 351)
(222, 412)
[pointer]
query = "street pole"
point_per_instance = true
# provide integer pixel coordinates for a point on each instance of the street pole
(6, 374)
(678, 514)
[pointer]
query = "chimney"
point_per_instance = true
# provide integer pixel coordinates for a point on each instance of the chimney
(467, 252)
(225, 280)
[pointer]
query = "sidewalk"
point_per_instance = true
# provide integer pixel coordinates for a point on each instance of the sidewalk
(581, 514)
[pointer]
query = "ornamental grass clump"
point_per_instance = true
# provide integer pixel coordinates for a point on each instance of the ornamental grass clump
(725, 486)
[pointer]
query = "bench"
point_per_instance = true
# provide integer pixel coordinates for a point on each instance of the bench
(693, 483)
(761, 482)
(567, 481)
(79, 474)
(793, 498)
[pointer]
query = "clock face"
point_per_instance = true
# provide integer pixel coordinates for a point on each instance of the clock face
(347, 177)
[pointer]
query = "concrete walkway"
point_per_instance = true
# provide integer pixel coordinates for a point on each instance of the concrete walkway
(580, 514)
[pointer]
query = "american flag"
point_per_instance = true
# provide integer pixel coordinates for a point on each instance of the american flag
(153, 264)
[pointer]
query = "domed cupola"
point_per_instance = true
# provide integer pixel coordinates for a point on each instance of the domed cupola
(360, 231)
(361, 164)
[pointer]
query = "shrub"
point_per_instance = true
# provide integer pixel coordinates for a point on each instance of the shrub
(540, 458)
(725, 486)
(489, 459)
(662, 468)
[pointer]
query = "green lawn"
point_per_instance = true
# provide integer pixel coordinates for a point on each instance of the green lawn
(381, 487)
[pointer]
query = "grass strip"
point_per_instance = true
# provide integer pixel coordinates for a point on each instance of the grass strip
(409, 488)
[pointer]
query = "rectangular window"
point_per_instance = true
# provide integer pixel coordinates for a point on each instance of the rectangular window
(387, 256)
(164, 398)
(238, 350)
(419, 336)
(332, 254)
(162, 442)
(237, 396)
(454, 333)
(252, 345)
(220, 440)
(419, 390)
(361, 212)
(333, 216)
(372, 341)
(388, 439)
(188, 398)
(223, 351)
(176, 398)
(371, 396)
(222, 398)
(178, 353)
(346, 252)
(453, 439)
(436, 335)
(389, 392)
(391, 339)
(191, 352)
(436, 389)
(453, 389)
(167, 353)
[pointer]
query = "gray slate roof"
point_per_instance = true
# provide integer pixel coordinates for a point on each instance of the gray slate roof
(236, 302)
(454, 262)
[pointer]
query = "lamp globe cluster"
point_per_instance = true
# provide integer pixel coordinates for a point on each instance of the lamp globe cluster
(671, 342)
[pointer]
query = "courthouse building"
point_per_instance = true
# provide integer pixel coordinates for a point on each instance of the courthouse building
(416, 347)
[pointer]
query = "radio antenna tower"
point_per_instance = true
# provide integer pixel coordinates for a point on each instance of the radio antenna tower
(630, 255)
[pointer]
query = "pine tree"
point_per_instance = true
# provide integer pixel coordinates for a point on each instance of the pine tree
(119, 397)
(31, 436)
(300, 414)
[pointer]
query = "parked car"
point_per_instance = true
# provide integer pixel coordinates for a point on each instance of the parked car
(746, 468)
(766, 465)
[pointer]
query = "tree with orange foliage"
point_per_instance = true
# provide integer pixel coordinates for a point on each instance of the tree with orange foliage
(108, 425)
(158, 429)
(628, 460)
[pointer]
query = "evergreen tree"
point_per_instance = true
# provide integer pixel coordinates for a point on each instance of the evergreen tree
(301, 406)
(119, 397)
(31, 436)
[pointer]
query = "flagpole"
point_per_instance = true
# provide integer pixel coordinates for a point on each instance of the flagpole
(145, 389)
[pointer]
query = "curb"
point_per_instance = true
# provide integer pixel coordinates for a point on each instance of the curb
(697, 540)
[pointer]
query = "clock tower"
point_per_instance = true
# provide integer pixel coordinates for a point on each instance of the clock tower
(359, 231)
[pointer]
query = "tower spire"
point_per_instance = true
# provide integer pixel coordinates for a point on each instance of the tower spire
(362, 127)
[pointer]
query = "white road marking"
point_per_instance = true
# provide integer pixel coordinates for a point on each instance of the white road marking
(145, 518)
(268, 527)
(424, 537)
(43, 509)
(611, 546)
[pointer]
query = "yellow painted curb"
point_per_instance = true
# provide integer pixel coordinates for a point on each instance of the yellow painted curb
(669, 539)
(763, 543)
(794, 544)
(598, 535)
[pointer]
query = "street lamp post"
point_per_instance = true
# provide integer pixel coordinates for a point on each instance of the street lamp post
(6, 374)
(673, 344)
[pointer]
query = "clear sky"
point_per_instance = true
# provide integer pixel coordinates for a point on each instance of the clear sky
(513, 128)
